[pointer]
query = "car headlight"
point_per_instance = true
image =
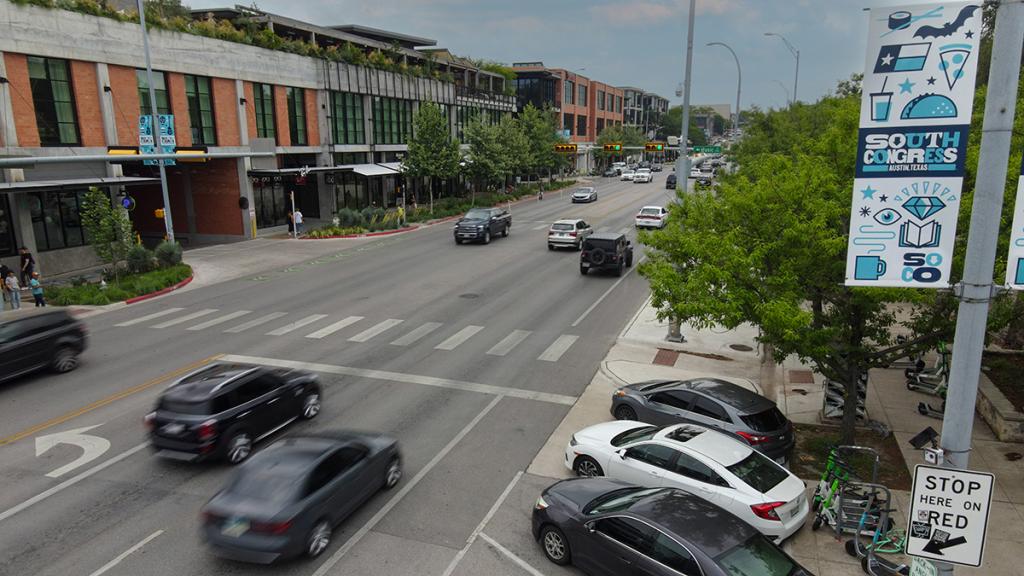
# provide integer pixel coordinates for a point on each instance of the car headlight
(572, 440)
(541, 503)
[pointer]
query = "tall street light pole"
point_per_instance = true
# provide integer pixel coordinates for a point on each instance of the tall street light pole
(155, 128)
(784, 89)
(739, 81)
(796, 54)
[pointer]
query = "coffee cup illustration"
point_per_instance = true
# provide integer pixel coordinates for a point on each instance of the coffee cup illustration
(1019, 278)
(869, 268)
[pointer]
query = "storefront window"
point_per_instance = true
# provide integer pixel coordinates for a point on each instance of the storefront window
(7, 242)
(56, 219)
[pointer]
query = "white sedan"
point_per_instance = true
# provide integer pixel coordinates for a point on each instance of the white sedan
(651, 217)
(704, 462)
(643, 175)
(627, 175)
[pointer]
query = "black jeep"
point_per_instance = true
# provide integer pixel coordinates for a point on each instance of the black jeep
(606, 252)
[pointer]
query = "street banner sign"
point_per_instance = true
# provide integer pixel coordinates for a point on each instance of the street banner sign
(949, 514)
(707, 149)
(146, 142)
(163, 139)
(918, 95)
(1015, 261)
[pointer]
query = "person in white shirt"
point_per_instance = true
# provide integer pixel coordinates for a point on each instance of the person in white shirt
(297, 216)
(13, 290)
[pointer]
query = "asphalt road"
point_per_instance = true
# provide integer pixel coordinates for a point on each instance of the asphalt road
(470, 355)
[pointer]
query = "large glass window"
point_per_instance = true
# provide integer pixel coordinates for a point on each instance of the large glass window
(567, 123)
(582, 100)
(163, 102)
(392, 120)
(348, 118)
(56, 219)
(200, 110)
(600, 126)
(600, 99)
(263, 94)
(581, 125)
(297, 115)
(54, 101)
(569, 91)
(7, 242)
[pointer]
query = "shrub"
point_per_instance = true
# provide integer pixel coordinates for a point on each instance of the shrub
(140, 259)
(168, 254)
(128, 287)
(349, 218)
(332, 231)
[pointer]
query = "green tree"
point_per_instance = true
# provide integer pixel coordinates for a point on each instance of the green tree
(485, 162)
(628, 136)
(541, 130)
(515, 147)
(433, 153)
(672, 125)
(108, 227)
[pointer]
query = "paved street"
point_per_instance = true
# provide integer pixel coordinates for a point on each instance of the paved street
(470, 355)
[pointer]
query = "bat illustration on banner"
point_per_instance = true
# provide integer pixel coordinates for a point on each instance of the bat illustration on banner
(949, 28)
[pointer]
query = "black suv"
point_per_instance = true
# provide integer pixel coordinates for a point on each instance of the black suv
(222, 410)
(39, 338)
(606, 252)
(481, 224)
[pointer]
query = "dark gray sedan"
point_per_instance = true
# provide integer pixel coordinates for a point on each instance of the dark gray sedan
(709, 402)
(286, 500)
(610, 527)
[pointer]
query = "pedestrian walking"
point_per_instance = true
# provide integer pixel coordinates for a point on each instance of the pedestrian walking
(4, 271)
(291, 222)
(297, 218)
(37, 290)
(13, 290)
(28, 265)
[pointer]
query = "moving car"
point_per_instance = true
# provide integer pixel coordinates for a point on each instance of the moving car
(606, 251)
(610, 173)
(695, 172)
(651, 217)
(610, 527)
(711, 402)
(35, 338)
(618, 167)
(656, 168)
(715, 466)
(584, 195)
(568, 232)
(670, 182)
(480, 224)
(223, 409)
(643, 175)
(287, 499)
(627, 175)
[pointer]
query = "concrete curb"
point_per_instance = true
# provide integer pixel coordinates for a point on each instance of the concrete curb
(367, 234)
(160, 292)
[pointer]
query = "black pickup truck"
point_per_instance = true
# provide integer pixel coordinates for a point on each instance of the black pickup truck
(480, 224)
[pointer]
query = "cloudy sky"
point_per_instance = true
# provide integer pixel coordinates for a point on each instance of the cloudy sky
(631, 42)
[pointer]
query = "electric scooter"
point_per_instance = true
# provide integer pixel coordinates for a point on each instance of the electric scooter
(869, 561)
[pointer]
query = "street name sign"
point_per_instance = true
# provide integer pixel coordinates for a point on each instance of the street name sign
(949, 511)
(707, 149)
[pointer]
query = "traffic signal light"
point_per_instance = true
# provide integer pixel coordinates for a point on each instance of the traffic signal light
(613, 147)
(654, 147)
(159, 213)
(565, 148)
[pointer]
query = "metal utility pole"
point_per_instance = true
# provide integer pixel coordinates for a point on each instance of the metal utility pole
(739, 81)
(977, 288)
(168, 223)
(796, 54)
(786, 90)
(683, 162)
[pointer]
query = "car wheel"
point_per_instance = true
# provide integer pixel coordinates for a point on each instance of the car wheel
(551, 246)
(239, 447)
(458, 240)
(624, 412)
(393, 473)
(816, 524)
(587, 467)
(504, 232)
(311, 405)
(65, 360)
(556, 546)
(583, 271)
(319, 539)
(618, 271)
(579, 246)
(487, 237)
(629, 261)
(598, 256)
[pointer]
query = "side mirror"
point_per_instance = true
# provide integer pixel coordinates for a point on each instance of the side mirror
(621, 452)
(590, 526)
(628, 243)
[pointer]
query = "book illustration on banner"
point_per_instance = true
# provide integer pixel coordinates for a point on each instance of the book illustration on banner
(949, 28)
(929, 106)
(953, 59)
(903, 19)
(902, 57)
(913, 235)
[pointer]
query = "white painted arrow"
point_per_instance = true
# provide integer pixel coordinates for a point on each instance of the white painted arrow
(92, 447)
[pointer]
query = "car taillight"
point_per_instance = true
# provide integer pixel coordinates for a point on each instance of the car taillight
(573, 234)
(767, 510)
(149, 420)
(754, 438)
(271, 527)
(207, 430)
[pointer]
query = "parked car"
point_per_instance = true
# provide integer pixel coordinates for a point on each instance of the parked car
(287, 499)
(35, 338)
(711, 402)
(606, 251)
(670, 182)
(481, 224)
(717, 467)
(651, 217)
(627, 175)
(568, 232)
(611, 172)
(222, 410)
(695, 172)
(610, 527)
(643, 175)
(587, 194)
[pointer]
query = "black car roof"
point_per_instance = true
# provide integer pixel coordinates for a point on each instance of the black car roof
(728, 393)
(605, 236)
(693, 519)
(202, 384)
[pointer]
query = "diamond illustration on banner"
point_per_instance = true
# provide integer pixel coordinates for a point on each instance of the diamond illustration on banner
(923, 207)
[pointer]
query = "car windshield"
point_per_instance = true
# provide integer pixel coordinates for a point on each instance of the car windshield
(758, 557)
(618, 500)
(635, 435)
(767, 421)
(628, 172)
(644, 170)
(478, 214)
(266, 486)
(758, 472)
(563, 227)
(650, 211)
(192, 408)
(602, 244)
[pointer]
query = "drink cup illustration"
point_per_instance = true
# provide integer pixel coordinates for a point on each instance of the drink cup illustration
(869, 268)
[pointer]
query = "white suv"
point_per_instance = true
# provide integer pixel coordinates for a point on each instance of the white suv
(651, 217)
(571, 232)
(643, 175)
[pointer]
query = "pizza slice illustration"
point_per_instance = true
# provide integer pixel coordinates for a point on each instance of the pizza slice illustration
(953, 59)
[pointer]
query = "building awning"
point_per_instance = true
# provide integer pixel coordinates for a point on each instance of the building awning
(373, 170)
(396, 166)
(298, 171)
(74, 183)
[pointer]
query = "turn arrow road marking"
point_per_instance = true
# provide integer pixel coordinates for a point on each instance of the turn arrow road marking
(92, 447)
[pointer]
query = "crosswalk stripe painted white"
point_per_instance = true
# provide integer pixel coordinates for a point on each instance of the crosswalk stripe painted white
(558, 347)
(256, 322)
(148, 317)
(220, 320)
(328, 330)
(375, 330)
(418, 333)
(296, 325)
(509, 342)
(185, 318)
(541, 227)
(458, 338)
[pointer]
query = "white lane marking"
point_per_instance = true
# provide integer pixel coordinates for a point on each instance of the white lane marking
(296, 325)
(185, 318)
(373, 331)
(508, 553)
(117, 560)
(397, 498)
(509, 342)
(406, 378)
(483, 524)
(150, 317)
(418, 333)
(92, 447)
(542, 226)
(70, 482)
(606, 293)
(328, 330)
(458, 338)
(558, 347)
(256, 322)
(220, 320)
(625, 230)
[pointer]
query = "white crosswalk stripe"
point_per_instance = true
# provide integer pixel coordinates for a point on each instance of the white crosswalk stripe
(375, 330)
(509, 342)
(558, 347)
(148, 317)
(458, 338)
(256, 322)
(416, 334)
(220, 320)
(186, 318)
(328, 330)
(296, 325)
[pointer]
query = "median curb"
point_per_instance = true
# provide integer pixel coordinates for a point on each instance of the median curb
(365, 234)
(160, 292)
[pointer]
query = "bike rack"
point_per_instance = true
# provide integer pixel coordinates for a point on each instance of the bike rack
(870, 562)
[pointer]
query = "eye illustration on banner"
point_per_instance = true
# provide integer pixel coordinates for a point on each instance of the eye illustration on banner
(887, 217)
(949, 28)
